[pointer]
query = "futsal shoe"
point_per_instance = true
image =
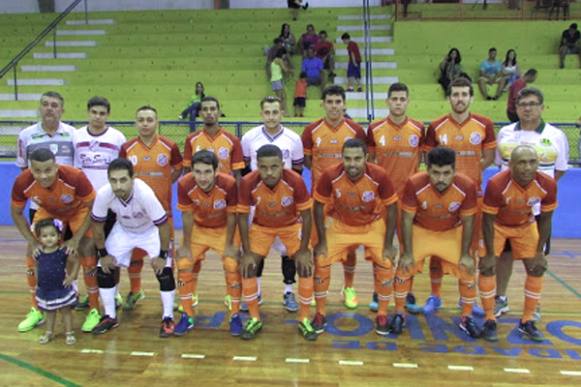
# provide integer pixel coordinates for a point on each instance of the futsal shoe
(132, 299)
(374, 303)
(433, 303)
(501, 306)
(397, 324)
(319, 323)
(235, 325)
(468, 326)
(92, 320)
(489, 331)
(185, 325)
(350, 298)
(251, 329)
(290, 302)
(382, 325)
(167, 327)
(306, 330)
(529, 330)
(105, 325)
(411, 306)
(33, 319)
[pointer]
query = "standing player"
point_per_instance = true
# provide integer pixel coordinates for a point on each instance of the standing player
(283, 210)
(395, 144)
(142, 223)
(157, 161)
(49, 133)
(472, 137)
(509, 207)
(64, 193)
(552, 148)
(438, 217)
(323, 143)
(272, 132)
(362, 204)
(208, 201)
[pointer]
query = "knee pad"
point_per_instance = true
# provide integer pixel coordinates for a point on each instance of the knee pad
(166, 280)
(104, 280)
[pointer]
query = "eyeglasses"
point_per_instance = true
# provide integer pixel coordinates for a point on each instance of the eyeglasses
(528, 104)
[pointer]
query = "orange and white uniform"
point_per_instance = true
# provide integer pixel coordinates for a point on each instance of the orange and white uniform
(223, 144)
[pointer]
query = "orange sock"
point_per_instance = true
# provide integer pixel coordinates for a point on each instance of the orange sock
(383, 277)
(31, 279)
(349, 269)
(134, 270)
(250, 296)
(467, 287)
(436, 275)
(533, 288)
(487, 287)
(306, 285)
(401, 288)
(233, 282)
(322, 282)
(90, 275)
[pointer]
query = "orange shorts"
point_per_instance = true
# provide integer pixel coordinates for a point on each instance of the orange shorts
(262, 238)
(74, 222)
(446, 245)
(342, 239)
(523, 240)
(205, 238)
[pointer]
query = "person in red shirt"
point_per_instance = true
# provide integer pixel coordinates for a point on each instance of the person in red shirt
(529, 77)
(282, 210)
(354, 65)
(300, 101)
(508, 206)
(360, 202)
(325, 50)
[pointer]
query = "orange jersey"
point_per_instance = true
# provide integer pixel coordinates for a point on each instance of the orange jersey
(278, 206)
(225, 146)
(355, 203)
(397, 148)
(439, 211)
(324, 143)
(469, 139)
(210, 209)
(513, 204)
(154, 164)
(71, 191)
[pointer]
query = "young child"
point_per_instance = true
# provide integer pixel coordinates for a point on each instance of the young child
(354, 66)
(54, 291)
(300, 95)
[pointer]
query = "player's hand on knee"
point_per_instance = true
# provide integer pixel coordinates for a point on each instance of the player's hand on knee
(487, 265)
(467, 262)
(158, 264)
(36, 249)
(320, 250)
(539, 263)
(68, 280)
(184, 252)
(304, 261)
(231, 251)
(389, 253)
(72, 246)
(248, 264)
(107, 263)
(407, 263)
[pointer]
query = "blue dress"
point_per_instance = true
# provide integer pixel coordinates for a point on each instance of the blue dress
(51, 294)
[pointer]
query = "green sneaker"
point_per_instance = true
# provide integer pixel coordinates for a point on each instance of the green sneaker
(228, 301)
(132, 299)
(350, 298)
(118, 301)
(253, 326)
(91, 321)
(306, 329)
(33, 319)
(83, 302)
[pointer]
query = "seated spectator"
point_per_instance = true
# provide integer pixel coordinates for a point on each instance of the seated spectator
(193, 107)
(529, 77)
(510, 69)
(313, 67)
(300, 95)
(277, 45)
(569, 44)
(325, 50)
(278, 69)
(490, 74)
(295, 6)
(450, 68)
(308, 39)
(288, 39)
(354, 65)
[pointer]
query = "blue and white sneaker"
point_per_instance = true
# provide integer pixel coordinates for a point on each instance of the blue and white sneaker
(374, 303)
(290, 302)
(235, 325)
(185, 325)
(432, 304)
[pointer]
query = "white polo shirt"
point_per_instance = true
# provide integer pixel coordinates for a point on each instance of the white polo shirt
(34, 137)
(288, 141)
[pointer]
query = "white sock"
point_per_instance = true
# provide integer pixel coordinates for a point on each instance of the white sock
(259, 283)
(167, 298)
(108, 299)
(288, 288)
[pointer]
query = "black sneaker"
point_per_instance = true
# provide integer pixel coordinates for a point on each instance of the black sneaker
(251, 329)
(468, 326)
(529, 330)
(319, 323)
(397, 324)
(382, 325)
(105, 325)
(489, 331)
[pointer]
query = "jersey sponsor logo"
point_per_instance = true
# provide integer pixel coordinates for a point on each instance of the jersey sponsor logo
(453, 206)
(414, 141)
(54, 148)
(443, 139)
(138, 215)
(66, 199)
(368, 196)
(286, 201)
(146, 158)
(397, 138)
(93, 145)
(475, 138)
(223, 153)
(334, 141)
(162, 160)
(534, 201)
(459, 138)
(219, 204)
(133, 159)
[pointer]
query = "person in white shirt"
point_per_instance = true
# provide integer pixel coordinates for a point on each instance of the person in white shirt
(552, 148)
(291, 145)
(141, 223)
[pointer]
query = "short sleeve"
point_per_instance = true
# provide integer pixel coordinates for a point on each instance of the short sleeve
(231, 198)
(237, 158)
(489, 141)
(493, 199)
(469, 204)
(409, 200)
(307, 138)
(297, 153)
(187, 160)
(387, 193)
(184, 200)
(18, 197)
(123, 151)
(301, 195)
(245, 144)
(153, 206)
(430, 139)
(244, 195)
(549, 202)
(176, 156)
(562, 162)
(84, 188)
(101, 204)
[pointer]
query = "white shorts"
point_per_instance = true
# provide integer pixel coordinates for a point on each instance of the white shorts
(120, 244)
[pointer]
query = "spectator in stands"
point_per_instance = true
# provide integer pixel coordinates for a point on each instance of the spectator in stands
(354, 65)
(325, 50)
(300, 95)
(295, 6)
(490, 74)
(289, 41)
(529, 77)
(277, 45)
(510, 69)
(570, 44)
(278, 69)
(450, 69)
(313, 67)
(308, 39)
(193, 107)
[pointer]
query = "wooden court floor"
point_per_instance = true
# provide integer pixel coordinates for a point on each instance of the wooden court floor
(432, 352)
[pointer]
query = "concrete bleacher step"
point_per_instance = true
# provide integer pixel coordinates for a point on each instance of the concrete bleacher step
(21, 97)
(359, 17)
(360, 96)
(71, 43)
(80, 32)
(10, 130)
(374, 51)
(383, 27)
(60, 55)
(48, 68)
(36, 82)
(376, 80)
(362, 112)
(375, 65)
(374, 39)
(92, 22)
(17, 113)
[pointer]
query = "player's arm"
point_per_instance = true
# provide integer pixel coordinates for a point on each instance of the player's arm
(23, 227)
(237, 175)
(104, 258)
(467, 229)
(321, 248)
(487, 158)
(303, 258)
(488, 261)
(406, 261)
(231, 222)
(544, 225)
(187, 224)
(309, 161)
(164, 237)
(390, 221)
(306, 229)
(243, 227)
(176, 173)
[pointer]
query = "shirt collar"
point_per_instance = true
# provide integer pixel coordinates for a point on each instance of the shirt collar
(539, 129)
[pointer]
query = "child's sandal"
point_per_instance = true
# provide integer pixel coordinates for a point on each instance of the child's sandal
(70, 338)
(46, 338)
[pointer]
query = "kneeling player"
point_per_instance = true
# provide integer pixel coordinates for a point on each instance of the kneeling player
(283, 210)
(208, 201)
(141, 223)
(438, 215)
(509, 201)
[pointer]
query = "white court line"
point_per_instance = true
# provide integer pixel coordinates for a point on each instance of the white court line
(460, 368)
(138, 353)
(405, 365)
(517, 370)
(570, 373)
(244, 358)
(192, 356)
(89, 350)
(297, 360)
(351, 362)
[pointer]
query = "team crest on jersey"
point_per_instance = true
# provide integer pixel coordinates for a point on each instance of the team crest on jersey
(93, 145)
(286, 201)
(424, 205)
(534, 201)
(286, 154)
(223, 153)
(318, 141)
(397, 138)
(138, 215)
(475, 138)
(414, 141)
(454, 206)
(162, 160)
(66, 199)
(337, 193)
(219, 204)
(133, 159)
(196, 202)
(334, 141)
(54, 148)
(368, 196)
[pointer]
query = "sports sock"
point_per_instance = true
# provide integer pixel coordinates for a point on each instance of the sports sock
(436, 275)
(383, 277)
(306, 285)
(89, 264)
(233, 282)
(487, 287)
(401, 288)
(167, 298)
(108, 299)
(321, 286)
(250, 296)
(349, 269)
(467, 287)
(533, 288)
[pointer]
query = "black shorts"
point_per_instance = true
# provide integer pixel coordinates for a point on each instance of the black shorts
(291, 4)
(300, 102)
